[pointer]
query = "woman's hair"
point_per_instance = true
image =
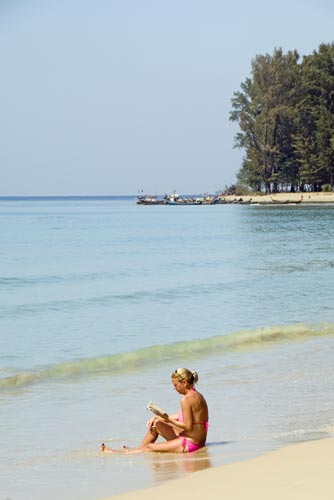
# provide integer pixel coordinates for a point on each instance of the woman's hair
(185, 374)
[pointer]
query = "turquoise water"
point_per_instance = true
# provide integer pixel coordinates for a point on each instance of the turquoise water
(102, 299)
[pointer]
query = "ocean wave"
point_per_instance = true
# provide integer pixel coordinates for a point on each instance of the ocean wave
(18, 282)
(246, 340)
(134, 297)
(49, 279)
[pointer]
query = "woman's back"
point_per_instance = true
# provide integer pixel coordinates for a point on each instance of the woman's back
(193, 404)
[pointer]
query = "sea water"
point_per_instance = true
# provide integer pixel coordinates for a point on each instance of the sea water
(102, 299)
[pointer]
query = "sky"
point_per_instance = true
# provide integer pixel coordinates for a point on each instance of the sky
(116, 97)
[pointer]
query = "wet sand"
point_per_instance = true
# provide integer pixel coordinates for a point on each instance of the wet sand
(298, 472)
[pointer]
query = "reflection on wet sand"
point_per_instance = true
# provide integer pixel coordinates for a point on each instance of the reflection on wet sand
(176, 465)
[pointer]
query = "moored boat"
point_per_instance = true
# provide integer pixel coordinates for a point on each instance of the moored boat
(176, 199)
(149, 200)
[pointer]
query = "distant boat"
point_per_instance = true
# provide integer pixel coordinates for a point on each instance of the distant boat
(175, 199)
(149, 200)
(280, 202)
(182, 201)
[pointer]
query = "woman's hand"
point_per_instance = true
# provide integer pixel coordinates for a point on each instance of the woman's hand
(150, 424)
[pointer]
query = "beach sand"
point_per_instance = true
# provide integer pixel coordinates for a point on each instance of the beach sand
(299, 472)
(293, 197)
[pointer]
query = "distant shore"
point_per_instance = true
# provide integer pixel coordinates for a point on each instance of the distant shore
(284, 197)
(299, 472)
(251, 198)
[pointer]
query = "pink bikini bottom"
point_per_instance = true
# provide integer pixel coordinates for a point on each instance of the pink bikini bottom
(191, 446)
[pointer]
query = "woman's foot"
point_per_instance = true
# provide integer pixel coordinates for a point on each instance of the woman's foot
(105, 449)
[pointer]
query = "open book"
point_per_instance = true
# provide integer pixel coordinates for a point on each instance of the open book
(156, 409)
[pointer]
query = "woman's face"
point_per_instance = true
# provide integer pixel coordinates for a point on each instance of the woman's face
(179, 385)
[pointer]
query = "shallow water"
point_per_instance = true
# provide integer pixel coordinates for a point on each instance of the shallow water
(102, 299)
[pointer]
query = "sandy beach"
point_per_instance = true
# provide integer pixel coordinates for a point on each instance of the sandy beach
(299, 472)
(284, 197)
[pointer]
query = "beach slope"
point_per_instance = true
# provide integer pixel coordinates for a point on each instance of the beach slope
(298, 472)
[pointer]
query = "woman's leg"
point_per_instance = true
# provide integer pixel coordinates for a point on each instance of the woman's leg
(150, 437)
(172, 446)
(161, 429)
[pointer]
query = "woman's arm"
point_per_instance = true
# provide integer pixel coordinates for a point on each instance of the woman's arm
(187, 423)
(174, 416)
(173, 421)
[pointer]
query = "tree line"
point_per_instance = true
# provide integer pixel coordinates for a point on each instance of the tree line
(285, 113)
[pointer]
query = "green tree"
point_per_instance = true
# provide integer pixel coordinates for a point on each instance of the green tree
(314, 137)
(264, 110)
(323, 62)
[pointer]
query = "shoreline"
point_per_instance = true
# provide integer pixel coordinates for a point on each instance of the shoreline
(298, 472)
(285, 198)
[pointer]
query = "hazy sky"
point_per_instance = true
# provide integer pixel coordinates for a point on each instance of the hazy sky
(106, 97)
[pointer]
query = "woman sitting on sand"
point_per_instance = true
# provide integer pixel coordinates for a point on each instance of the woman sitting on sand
(185, 431)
